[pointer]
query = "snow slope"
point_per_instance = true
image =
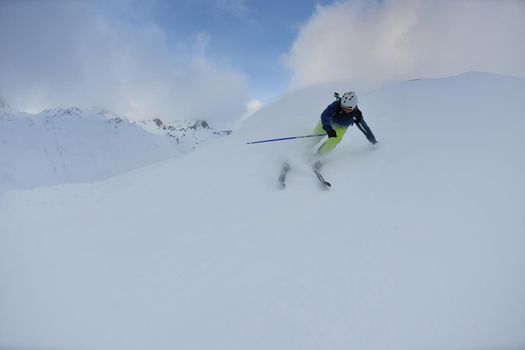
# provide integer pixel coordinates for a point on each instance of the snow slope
(75, 145)
(419, 245)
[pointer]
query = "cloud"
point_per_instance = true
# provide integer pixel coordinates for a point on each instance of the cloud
(375, 42)
(57, 53)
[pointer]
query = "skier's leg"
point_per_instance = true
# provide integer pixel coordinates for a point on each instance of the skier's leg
(317, 130)
(329, 145)
(315, 143)
(282, 175)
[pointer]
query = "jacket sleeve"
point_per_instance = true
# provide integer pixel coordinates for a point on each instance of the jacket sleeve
(361, 125)
(327, 114)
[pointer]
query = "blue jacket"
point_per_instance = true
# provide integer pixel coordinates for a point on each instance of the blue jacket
(334, 115)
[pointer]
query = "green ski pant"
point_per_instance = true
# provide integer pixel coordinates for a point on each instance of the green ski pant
(329, 145)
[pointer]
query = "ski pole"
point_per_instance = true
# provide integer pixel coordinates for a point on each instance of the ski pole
(285, 138)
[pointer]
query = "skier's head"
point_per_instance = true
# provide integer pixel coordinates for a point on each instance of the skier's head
(349, 101)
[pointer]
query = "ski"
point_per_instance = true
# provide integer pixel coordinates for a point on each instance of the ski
(316, 168)
(286, 168)
(282, 176)
(321, 178)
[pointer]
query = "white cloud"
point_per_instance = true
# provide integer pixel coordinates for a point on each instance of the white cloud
(251, 107)
(376, 42)
(66, 53)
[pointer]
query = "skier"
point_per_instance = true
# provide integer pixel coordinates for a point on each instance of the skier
(336, 118)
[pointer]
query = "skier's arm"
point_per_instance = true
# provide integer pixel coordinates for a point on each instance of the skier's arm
(326, 115)
(361, 125)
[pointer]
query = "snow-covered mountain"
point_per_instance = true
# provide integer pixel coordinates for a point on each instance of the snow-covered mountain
(6, 111)
(187, 133)
(75, 145)
(418, 245)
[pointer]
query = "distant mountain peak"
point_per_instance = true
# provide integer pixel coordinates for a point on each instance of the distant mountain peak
(158, 122)
(5, 109)
(193, 132)
(5, 106)
(111, 115)
(62, 112)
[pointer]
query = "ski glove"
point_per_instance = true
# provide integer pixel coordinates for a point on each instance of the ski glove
(331, 133)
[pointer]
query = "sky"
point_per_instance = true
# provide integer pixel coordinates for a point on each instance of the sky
(220, 59)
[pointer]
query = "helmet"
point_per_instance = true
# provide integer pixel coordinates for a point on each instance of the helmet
(349, 99)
